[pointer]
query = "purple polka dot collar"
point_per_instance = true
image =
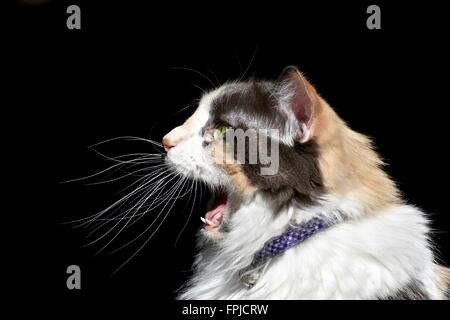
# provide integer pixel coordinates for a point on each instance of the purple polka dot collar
(277, 245)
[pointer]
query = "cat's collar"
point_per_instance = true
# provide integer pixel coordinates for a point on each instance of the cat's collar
(293, 236)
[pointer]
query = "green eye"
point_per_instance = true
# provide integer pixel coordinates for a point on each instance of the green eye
(220, 129)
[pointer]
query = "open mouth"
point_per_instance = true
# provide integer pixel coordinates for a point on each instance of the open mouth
(213, 217)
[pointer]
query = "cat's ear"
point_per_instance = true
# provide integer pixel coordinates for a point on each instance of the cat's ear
(300, 99)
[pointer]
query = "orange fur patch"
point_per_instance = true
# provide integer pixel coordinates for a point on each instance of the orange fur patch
(444, 280)
(348, 162)
(234, 170)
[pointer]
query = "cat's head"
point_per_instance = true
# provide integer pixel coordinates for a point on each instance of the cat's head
(289, 129)
(277, 120)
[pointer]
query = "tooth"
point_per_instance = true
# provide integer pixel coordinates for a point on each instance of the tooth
(203, 219)
(209, 221)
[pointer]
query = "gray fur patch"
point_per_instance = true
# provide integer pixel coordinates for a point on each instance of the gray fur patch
(253, 105)
(412, 291)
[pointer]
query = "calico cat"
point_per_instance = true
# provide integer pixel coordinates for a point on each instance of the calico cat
(336, 220)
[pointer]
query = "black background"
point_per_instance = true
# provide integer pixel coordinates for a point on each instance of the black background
(117, 76)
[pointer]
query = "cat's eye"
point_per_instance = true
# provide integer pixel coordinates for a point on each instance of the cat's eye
(220, 129)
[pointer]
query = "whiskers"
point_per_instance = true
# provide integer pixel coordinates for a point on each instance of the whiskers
(152, 189)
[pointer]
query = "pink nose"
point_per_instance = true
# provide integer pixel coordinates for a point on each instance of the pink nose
(168, 143)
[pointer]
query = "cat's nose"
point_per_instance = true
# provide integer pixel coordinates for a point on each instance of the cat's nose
(176, 136)
(168, 143)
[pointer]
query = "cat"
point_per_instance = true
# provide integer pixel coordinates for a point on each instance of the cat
(374, 246)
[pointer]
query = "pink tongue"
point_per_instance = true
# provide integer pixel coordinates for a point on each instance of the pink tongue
(215, 214)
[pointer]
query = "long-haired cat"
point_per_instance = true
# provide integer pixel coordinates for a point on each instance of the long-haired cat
(358, 238)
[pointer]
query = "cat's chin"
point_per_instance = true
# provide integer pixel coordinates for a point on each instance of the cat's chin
(213, 218)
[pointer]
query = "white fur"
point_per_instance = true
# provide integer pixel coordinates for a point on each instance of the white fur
(189, 157)
(360, 257)
(366, 258)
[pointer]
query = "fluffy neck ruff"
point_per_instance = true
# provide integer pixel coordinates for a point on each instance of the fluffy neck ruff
(380, 249)
(343, 262)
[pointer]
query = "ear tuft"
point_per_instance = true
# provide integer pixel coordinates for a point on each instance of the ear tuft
(300, 100)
